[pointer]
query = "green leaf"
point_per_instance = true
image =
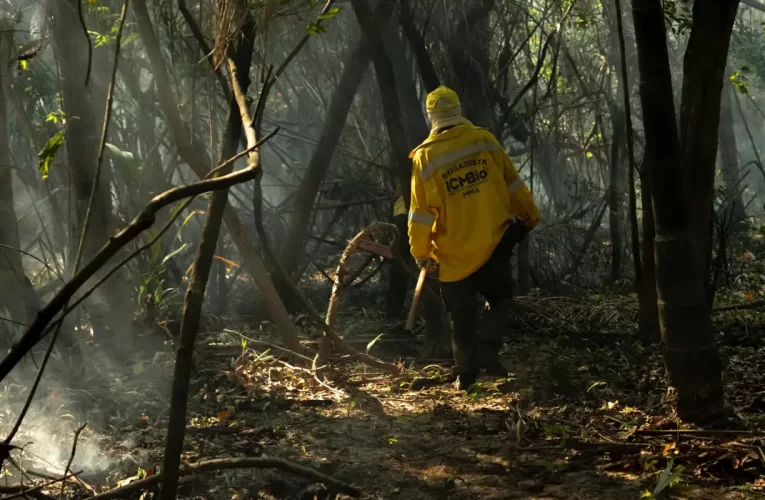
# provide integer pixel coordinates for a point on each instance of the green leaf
(334, 11)
(372, 343)
(315, 28)
(48, 154)
(174, 253)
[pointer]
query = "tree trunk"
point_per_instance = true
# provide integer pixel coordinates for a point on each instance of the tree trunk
(15, 304)
(703, 69)
(84, 107)
(615, 190)
(195, 293)
(372, 28)
(691, 356)
(648, 321)
(734, 203)
(468, 49)
(201, 165)
(343, 96)
(437, 331)
(424, 62)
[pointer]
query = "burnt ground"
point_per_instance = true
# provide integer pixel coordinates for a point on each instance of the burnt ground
(583, 415)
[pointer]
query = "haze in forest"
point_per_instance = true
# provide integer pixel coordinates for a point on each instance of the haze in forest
(337, 94)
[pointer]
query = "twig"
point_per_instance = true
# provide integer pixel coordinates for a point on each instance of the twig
(236, 463)
(71, 455)
(269, 345)
(90, 43)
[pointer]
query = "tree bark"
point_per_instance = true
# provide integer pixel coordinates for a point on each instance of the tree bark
(734, 210)
(690, 353)
(648, 307)
(703, 68)
(424, 62)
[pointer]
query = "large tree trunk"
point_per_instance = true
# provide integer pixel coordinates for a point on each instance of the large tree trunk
(703, 69)
(437, 343)
(354, 69)
(691, 356)
(734, 203)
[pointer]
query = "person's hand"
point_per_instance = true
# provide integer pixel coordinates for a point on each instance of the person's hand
(518, 231)
(427, 264)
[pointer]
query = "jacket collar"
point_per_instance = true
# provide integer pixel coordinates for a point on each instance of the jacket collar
(448, 134)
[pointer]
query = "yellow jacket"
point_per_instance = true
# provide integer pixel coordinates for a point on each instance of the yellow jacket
(465, 193)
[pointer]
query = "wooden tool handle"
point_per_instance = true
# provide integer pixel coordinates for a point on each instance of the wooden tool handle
(416, 298)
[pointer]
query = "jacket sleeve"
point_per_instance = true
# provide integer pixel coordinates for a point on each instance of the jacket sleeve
(521, 200)
(422, 218)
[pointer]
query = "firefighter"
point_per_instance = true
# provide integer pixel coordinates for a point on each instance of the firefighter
(398, 278)
(468, 210)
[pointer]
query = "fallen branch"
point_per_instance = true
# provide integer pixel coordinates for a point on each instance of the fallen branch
(236, 463)
(698, 432)
(739, 307)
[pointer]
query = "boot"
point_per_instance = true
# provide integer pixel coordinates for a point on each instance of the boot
(490, 359)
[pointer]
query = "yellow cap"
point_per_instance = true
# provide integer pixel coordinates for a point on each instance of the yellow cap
(442, 99)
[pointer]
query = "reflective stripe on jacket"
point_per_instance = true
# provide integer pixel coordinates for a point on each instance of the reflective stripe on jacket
(465, 193)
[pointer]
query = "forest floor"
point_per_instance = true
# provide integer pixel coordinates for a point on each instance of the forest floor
(583, 415)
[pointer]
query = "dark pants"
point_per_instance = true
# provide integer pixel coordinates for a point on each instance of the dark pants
(398, 277)
(494, 282)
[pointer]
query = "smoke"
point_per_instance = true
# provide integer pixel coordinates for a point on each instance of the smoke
(112, 396)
